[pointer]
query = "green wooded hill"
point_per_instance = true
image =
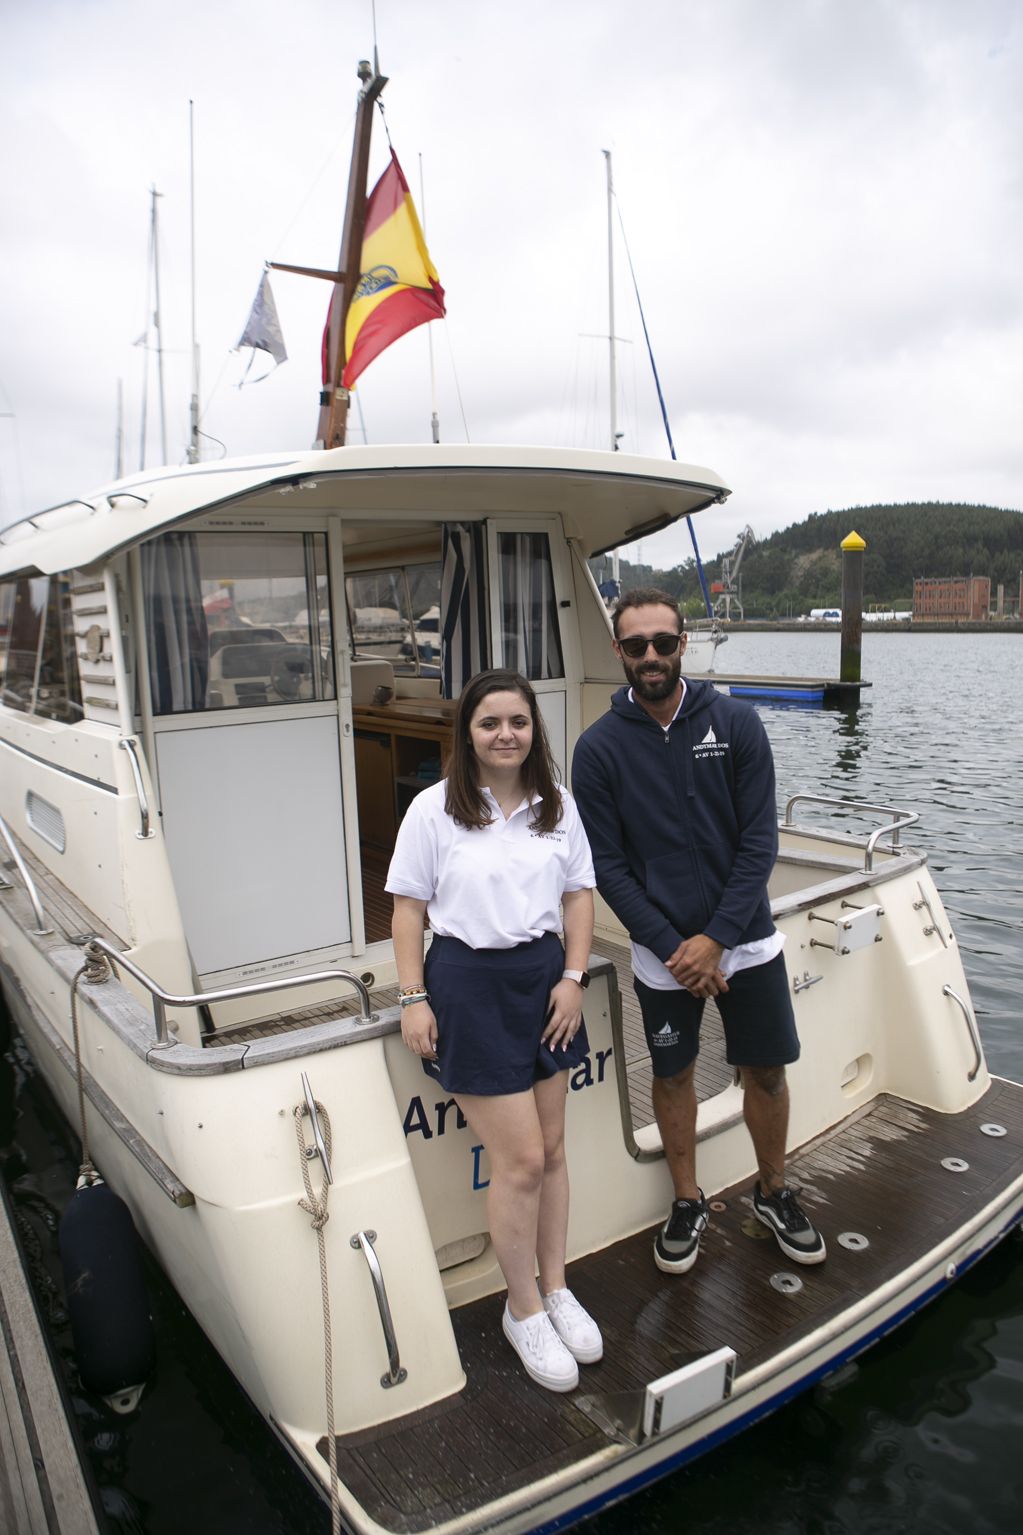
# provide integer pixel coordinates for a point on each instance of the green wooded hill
(799, 568)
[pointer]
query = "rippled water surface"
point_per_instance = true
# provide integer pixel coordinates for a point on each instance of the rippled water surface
(923, 1433)
(939, 731)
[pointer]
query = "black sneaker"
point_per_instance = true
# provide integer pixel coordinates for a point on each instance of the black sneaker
(678, 1240)
(794, 1231)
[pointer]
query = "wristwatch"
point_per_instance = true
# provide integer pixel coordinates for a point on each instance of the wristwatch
(581, 977)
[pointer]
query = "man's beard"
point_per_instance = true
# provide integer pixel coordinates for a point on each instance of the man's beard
(653, 686)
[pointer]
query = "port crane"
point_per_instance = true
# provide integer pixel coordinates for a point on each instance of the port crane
(727, 592)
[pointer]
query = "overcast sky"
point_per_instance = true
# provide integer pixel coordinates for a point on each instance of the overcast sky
(823, 201)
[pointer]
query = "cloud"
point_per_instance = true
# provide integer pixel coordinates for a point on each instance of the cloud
(823, 202)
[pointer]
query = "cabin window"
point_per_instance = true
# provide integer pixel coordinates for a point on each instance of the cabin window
(529, 609)
(394, 615)
(38, 664)
(237, 620)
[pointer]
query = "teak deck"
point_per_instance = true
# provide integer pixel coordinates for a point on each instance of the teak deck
(502, 1433)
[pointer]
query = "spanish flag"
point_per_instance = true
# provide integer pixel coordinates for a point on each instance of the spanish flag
(398, 286)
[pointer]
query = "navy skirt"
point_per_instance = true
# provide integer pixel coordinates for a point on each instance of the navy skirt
(491, 1006)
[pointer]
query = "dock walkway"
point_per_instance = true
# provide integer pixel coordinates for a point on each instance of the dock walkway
(821, 690)
(42, 1486)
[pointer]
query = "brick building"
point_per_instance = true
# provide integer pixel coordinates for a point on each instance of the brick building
(948, 597)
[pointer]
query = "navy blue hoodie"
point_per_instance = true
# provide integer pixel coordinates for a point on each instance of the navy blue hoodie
(682, 823)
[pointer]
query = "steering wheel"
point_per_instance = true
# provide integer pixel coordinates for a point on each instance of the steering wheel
(291, 673)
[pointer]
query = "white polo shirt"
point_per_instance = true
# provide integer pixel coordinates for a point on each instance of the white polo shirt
(493, 886)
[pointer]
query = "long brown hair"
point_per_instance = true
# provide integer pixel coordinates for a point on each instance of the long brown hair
(463, 799)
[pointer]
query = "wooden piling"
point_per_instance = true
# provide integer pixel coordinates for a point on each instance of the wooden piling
(850, 662)
(43, 1489)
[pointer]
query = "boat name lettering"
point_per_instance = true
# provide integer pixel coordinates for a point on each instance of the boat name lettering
(417, 1121)
(477, 1181)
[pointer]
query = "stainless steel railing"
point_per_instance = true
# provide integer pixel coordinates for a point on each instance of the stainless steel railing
(971, 1026)
(891, 829)
(101, 957)
(41, 930)
(130, 745)
(396, 1371)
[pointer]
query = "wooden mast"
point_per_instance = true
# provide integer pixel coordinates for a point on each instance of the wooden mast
(334, 397)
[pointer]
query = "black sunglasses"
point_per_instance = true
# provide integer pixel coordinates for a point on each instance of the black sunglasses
(636, 645)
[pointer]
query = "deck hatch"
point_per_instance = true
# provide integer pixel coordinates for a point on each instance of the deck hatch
(688, 1392)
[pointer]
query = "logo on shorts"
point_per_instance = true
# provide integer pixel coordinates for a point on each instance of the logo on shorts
(710, 746)
(664, 1036)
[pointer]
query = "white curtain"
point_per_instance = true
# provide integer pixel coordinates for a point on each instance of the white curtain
(176, 631)
(463, 605)
(529, 610)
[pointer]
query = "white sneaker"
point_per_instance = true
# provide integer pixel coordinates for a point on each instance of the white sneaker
(544, 1357)
(574, 1326)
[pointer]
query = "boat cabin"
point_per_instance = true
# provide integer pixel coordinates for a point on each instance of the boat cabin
(269, 653)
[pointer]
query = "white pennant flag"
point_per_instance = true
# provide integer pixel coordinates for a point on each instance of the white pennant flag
(263, 329)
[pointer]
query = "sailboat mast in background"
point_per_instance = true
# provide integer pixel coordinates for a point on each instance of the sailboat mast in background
(193, 406)
(615, 433)
(119, 434)
(434, 417)
(613, 381)
(153, 318)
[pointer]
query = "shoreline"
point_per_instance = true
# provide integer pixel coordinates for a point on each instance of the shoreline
(898, 626)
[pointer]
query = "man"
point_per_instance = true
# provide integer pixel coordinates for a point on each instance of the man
(675, 786)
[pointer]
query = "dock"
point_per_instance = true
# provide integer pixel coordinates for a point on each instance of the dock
(43, 1490)
(829, 691)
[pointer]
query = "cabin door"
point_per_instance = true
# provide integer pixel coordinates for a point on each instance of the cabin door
(533, 621)
(246, 742)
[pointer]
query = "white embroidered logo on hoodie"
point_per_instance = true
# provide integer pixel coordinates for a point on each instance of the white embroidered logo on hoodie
(710, 746)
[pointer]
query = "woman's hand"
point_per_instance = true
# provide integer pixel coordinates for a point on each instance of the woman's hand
(419, 1030)
(566, 1014)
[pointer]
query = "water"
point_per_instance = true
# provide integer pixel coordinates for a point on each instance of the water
(921, 1433)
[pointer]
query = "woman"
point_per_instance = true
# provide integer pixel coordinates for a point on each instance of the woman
(488, 855)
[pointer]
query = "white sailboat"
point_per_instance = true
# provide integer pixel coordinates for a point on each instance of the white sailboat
(203, 765)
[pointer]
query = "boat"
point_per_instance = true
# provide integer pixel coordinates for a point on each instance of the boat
(195, 824)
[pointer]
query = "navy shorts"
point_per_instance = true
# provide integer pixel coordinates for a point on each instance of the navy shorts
(491, 1006)
(756, 1011)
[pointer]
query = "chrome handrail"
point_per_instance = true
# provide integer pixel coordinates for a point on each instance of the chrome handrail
(946, 991)
(98, 949)
(131, 747)
(396, 1370)
(41, 931)
(902, 818)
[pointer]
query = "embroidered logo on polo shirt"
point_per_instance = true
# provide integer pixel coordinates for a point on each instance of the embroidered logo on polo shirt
(557, 835)
(664, 1036)
(710, 746)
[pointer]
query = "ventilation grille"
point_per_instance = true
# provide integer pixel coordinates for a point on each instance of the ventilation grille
(90, 609)
(47, 820)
